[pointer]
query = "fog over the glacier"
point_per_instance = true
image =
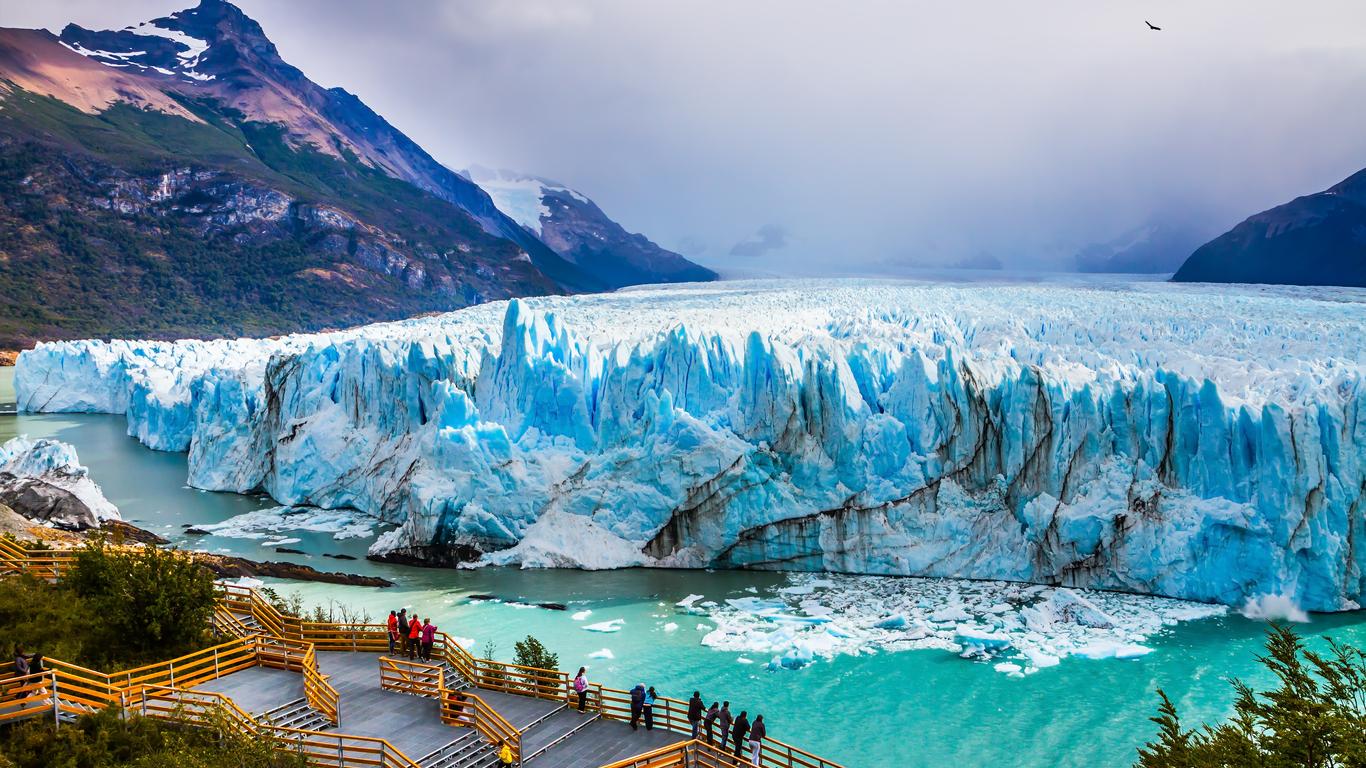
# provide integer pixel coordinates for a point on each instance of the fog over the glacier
(786, 136)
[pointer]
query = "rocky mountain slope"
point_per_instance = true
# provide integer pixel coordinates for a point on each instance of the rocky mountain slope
(178, 177)
(577, 229)
(1150, 249)
(1317, 239)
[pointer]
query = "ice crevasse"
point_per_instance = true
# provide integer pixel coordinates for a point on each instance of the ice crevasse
(1202, 442)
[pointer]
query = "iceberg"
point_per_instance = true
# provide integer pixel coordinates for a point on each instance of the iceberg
(44, 480)
(1191, 441)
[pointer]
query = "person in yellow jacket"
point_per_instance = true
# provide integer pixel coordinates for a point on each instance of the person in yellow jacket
(505, 756)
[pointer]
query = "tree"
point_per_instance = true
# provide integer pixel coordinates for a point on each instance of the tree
(152, 603)
(531, 653)
(1315, 717)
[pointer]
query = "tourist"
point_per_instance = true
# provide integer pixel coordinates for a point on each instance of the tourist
(738, 733)
(393, 631)
(710, 719)
(581, 688)
(650, 697)
(696, 708)
(20, 662)
(505, 755)
(637, 705)
(428, 637)
(414, 637)
(402, 629)
(756, 739)
(35, 664)
(724, 718)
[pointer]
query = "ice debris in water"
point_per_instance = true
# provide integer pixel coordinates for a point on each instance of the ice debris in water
(614, 625)
(605, 653)
(260, 523)
(1021, 628)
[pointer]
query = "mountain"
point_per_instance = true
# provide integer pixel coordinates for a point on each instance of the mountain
(577, 229)
(1152, 248)
(1317, 239)
(178, 177)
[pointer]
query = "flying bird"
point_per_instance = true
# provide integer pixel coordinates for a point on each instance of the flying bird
(1150, 26)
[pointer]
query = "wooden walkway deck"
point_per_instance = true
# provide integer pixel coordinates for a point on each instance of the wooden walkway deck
(413, 723)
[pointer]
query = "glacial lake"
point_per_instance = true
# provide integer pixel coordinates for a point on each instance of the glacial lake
(903, 708)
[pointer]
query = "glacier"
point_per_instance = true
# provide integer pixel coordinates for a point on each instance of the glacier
(47, 473)
(1189, 441)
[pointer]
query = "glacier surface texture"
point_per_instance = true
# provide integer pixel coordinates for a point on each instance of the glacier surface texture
(1198, 442)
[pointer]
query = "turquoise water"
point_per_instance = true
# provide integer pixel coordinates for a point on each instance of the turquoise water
(908, 708)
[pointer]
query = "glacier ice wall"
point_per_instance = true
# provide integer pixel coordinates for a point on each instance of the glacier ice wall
(1189, 441)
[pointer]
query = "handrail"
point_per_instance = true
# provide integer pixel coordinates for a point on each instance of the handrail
(293, 643)
(413, 677)
(470, 710)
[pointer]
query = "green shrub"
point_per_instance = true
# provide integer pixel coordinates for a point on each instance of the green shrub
(531, 653)
(148, 604)
(106, 740)
(1315, 718)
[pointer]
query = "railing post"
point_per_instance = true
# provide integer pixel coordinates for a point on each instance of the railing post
(56, 706)
(215, 662)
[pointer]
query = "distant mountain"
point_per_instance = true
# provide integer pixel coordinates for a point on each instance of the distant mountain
(1150, 249)
(1317, 239)
(577, 229)
(177, 177)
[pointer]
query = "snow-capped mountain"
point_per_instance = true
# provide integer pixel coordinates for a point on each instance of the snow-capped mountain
(1203, 442)
(198, 184)
(1317, 239)
(577, 229)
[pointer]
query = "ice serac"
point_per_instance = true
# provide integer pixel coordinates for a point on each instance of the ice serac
(44, 481)
(1188, 441)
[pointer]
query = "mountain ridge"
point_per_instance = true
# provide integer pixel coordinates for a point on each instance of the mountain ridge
(178, 177)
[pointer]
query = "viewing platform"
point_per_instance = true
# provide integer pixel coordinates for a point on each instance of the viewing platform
(332, 692)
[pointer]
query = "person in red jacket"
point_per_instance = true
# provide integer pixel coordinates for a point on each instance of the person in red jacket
(393, 631)
(414, 637)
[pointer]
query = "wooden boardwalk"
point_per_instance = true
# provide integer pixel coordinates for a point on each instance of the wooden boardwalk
(413, 723)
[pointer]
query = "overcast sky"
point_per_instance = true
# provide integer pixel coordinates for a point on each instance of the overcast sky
(819, 137)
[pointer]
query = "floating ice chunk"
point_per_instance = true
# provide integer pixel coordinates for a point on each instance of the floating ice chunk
(605, 653)
(743, 660)
(671, 627)
(1010, 668)
(688, 601)
(258, 524)
(975, 640)
(892, 622)
(950, 614)
(581, 615)
(614, 625)
(1109, 649)
(280, 543)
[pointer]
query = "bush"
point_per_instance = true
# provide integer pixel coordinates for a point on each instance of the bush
(531, 653)
(41, 618)
(1315, 718)
(106, 740)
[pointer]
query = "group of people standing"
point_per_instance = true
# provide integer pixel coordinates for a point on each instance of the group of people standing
(736, 730)
(410, 637)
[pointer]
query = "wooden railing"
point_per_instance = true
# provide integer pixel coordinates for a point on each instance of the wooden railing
(27, 696)
(462, 708)
(412, 677)
(290, 643)
(214, 710)
(687, 754)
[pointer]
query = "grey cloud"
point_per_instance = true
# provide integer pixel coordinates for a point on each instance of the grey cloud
(769, 237)
(902, 132)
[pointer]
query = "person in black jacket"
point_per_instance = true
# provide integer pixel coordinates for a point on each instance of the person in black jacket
(724, 718)
(710, 720)
(695, 711)
(637, 705)
(738, 732)
(756, 739)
